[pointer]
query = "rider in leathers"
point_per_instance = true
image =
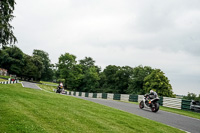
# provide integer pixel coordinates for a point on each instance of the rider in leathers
(151, 95)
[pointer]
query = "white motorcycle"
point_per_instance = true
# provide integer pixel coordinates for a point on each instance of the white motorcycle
(147, 102)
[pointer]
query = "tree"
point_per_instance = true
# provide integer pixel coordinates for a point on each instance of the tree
(86, 63)
(192, 96)
(6, 33)
(66, 66)
(122, 79)
(32, 67)
(109, 74)
(47, 72)
(158, 82)
(136, 85)
(90, 79)
(12, 59)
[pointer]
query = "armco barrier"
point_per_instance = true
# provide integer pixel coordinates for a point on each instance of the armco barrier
(133, 98)
(94, 95)
(140, 97)
(83, 94)
(86, 94)
(160, 101)
(99, 95)
(90, 95)
(116, 96)
(110, 96)
(124, 97)
(172, 102)
(9, 82)
(104, 95)
(185, 104)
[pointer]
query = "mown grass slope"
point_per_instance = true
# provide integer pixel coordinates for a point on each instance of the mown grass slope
(30, 110)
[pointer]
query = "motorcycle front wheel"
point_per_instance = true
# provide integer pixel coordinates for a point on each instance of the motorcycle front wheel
(141, 105)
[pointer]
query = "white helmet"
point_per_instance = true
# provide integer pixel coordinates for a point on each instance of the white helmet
(151, 91)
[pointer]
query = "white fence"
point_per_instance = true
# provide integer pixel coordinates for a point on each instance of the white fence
(172, 102)
(124, 97)
(140, 97)
(110, 96)
(9, 82)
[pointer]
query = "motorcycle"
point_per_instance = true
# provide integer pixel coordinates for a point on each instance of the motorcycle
(149, 103)
(59, 89)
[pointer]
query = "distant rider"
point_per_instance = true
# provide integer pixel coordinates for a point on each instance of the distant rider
(60, 87)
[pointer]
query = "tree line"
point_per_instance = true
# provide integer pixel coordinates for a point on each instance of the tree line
(192, 96)
(81, 75)
(84, 75)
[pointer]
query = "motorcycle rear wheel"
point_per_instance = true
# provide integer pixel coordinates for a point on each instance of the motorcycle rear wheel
(155, 108)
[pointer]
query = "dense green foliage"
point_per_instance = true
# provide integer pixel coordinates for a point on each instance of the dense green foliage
(192, 96)
(158, 82)
(36, 67)
(136, 85)
(29, 110)
(11, 58)
(84, 75)
(46, 70)
(6, 33)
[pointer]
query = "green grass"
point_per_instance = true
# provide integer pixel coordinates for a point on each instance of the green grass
(3, 80)
(181, 112)
(47, 87)
(4, 76)
(30, 110)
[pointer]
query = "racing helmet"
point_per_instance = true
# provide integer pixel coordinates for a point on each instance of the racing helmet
(151, 91)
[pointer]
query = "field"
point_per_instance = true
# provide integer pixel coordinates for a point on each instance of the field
(30, 110)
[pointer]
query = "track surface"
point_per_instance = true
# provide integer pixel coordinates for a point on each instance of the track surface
(30, 85)
(178, 121)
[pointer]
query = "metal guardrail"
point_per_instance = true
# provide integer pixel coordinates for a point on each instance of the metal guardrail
(164, 101)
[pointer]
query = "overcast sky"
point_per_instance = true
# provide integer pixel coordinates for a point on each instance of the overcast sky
(160, 34)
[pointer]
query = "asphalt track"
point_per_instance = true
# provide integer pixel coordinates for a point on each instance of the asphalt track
(185, 123)
(30, 85)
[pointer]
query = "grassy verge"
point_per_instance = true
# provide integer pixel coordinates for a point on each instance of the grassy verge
(47, 87)
(181, 112)
(4, 76)
(3, 80)
(30, 110)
